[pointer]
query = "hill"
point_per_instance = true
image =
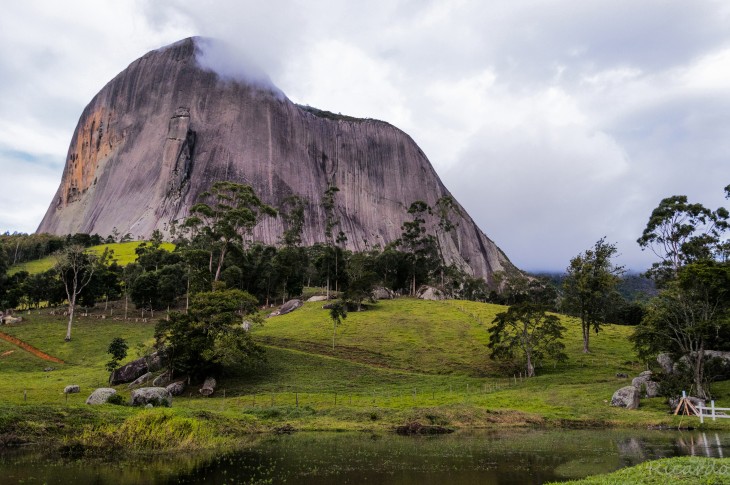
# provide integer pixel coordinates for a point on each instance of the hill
(402, 360)
(123, 255)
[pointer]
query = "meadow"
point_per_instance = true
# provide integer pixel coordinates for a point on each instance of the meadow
(123, 255)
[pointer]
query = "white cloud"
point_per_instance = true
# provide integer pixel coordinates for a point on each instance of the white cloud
(555, 123)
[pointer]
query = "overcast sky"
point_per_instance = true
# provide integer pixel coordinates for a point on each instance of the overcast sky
(554, 123)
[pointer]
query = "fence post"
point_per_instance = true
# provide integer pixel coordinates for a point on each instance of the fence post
(713, 409)
(296, 396)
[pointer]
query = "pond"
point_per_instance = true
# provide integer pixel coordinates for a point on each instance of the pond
(486, 457)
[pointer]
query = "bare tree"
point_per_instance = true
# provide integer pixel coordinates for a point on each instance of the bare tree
(76, 268)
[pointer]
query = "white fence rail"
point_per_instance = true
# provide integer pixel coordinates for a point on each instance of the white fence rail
(713, 412)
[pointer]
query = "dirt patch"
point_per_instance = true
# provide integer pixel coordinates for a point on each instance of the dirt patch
(29, 348)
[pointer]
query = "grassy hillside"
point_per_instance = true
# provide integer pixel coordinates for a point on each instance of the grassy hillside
(123, 255)
(399, 361)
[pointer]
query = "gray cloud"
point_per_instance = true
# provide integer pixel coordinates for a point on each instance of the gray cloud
(554, 123)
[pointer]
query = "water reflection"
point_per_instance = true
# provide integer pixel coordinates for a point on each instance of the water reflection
(512, 456)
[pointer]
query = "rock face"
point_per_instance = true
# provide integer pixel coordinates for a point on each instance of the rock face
(626, 397)
(164, 129)
(157, 396)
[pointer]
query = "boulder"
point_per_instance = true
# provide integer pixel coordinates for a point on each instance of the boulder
(72, 389)
(157, 396)
(287, 307)
(644, 383)
(10, 320)
(208, 387)
(626, 397)
(162, 380)
(318, 298)
(430, 293)
(154, 362)
(140, 380)
(382, 293)
(176, 388)
(101, 395)
(129, 372)
(666, 363)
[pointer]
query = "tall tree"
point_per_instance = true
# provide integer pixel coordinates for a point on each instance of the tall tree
(76, 269)
(590, 287)
(331, 221)
(232, 213)
(690, 313)
(338, 312)
(446, 207)
(679, 232)
(527, 330)
(417, 243)
(210, 337)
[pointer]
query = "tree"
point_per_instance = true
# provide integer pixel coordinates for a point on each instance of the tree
(292, 214)
(118, 350)
(679, 232)
(233, 213)
(526, 329)
(445, 208)
(590, 287)
(332, 241)
(338, 312)
(75, 268)
(419, 246)
(209, 338)
(690, 313)
(361, 278)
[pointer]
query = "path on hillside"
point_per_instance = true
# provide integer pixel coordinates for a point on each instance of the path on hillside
(30, 348)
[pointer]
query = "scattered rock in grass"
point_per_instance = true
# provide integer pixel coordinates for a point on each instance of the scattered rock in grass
(626, 397)
(72, 389)
(101, 395)
(621, 375)
(208, 387)
(129, 372)
(382, 293)
(430, 293)
(644, 382)
(49, 369)
(417, 428)
(148, 405)
(317, 298)
(157, 396)
(176, 388)
(287, 307)
(140, 380)
(162, 380)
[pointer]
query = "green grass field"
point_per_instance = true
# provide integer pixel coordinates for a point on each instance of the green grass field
(400, 355)
(123, 255)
